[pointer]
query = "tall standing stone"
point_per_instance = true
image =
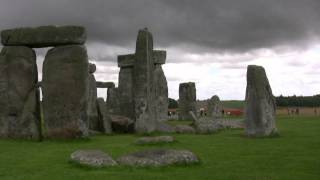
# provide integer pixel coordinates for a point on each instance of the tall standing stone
(260, 104)
(19, 97)
(125, 93)
(113, 105)
(92, 100)
(214, 107)
(187, 100)
(161, 88)
(65, 91)
(143, 91)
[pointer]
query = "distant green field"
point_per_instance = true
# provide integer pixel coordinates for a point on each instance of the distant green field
(295, 155)
(233, 104)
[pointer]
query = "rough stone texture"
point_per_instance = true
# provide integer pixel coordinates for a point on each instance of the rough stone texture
(44, 36)
(65, 92)
(93, 158)
(126, 60)
(163, 127)
(159, 57)
(122, 124)
(158, 157)
(187, 100)
(161, 90)
(19, 97)
(113, 105)
(215, 107)
(143, 91)
(92, 104)
(125, 89)
(92, 68)
(184, 129)
(260, 104)
(104, 118)
(205, 125)
(155, 140)
(100, 84)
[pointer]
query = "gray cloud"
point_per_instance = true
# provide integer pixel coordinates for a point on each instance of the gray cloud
(209, 25)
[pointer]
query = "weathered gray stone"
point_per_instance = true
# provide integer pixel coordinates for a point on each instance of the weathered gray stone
(161, 90)
(93, 158)
(44, 36)
(163, 127)
(19, 97)
(113, 105)
(92, 68)
(155, 140)
(184, 129)
(122, 124)
(143, 91)
(214, 107)
(92, 104)
(125, 90)
(260, 104)
(187, 100)
(100, 84)
(65, 92)
(158, 157)
(104, 117)
(126, 60)
(159, 57)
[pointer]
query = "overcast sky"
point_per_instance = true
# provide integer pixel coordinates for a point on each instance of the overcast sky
(210, 42)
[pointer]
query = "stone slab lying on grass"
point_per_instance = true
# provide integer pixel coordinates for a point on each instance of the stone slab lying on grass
(155, 140)
(182, 129)
(158, 157)
(93, 158)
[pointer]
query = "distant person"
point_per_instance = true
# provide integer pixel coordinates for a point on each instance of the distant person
(315, 111)
(297, 111)
(222, 112)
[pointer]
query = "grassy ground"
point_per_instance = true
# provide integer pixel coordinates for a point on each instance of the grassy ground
(225, 155)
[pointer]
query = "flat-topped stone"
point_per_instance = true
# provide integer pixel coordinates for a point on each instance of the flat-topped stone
(93, 158)
(44, 36)
(158, 157)
(126, 60)
(159, 56)
(100, 84)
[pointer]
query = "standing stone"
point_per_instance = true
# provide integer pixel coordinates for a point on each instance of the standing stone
(161, 90)
(215, 107)
(19, 97)
(113, 105)
(143, 91)
(44, 36)
(92, 100)
(260, 104)
(65, 92)
(104, 117)
(187, 100)
(125, 92)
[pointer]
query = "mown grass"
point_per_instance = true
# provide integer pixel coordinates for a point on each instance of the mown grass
(225, 155)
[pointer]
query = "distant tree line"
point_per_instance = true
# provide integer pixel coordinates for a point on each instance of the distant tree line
(173, 104)
(298, 101)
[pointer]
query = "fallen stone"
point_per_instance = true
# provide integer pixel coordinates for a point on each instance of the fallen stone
(163, 127)
(184, 129)
(65, 88)
(260, 104)
(92, 158)
(19, 97)
(122, 124)
(104, 117)
(158, 157)
(44, 36)
(155, 140)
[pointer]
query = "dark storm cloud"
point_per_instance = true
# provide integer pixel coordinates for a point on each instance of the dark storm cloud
(227, 25)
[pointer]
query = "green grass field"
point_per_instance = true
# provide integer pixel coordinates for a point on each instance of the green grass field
(225, 155)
